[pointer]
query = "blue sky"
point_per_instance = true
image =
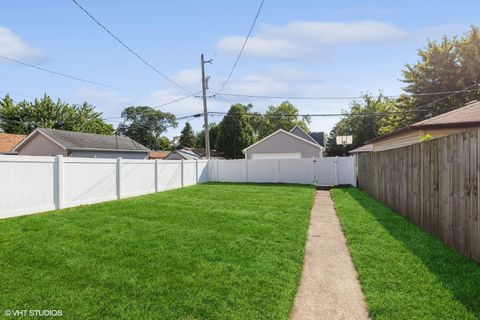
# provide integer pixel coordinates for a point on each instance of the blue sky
(298, 48)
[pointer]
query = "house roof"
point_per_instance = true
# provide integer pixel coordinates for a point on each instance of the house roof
(365, 148)
(298, 131)
(70, 140)
(285, 132)
(158, 154)
(202, 152)
(464, 117)
(319, 137)
(469, 115)
(9, 141)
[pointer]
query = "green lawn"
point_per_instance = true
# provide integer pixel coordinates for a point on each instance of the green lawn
(405, 273)
(213, 251)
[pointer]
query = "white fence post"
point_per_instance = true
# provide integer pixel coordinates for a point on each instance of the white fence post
(59, 182)
(278, 171)
(196, 171)
(314, 170)
(182, 174)
(335, 161)
(156, 176)
(119, 178)
(246, 170)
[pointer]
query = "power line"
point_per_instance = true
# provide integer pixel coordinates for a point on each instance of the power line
(243, 46)
(343, 97)
(450, 94)
(66, 75)
(128, 48)
(213, 113)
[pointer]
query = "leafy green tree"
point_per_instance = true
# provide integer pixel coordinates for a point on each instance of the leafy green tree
(187, 136)
(24, 117)
(285, 116)
(367, 119)
(145, 124)
(447, 65)
(163, 143)
(213, 134)
(235, 132)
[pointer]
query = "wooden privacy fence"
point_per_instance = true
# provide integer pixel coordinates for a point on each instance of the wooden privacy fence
(432, 184)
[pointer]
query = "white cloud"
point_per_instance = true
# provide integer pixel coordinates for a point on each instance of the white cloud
(12, 46)
(188, 78)
(301, 39)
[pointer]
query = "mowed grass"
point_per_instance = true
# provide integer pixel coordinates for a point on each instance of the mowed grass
(213, 251)
(405, 273)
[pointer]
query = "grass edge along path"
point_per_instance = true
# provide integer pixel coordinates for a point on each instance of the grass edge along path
(405, 273)
(211, 251)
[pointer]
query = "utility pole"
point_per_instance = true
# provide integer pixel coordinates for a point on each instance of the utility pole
(205, 111)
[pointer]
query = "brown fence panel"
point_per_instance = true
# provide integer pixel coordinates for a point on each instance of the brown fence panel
(433, 184)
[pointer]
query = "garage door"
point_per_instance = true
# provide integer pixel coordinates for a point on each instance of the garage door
(257, 156)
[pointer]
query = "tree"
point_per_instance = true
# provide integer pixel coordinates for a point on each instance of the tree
(145, 124)
(213, 135)
(235, 132)
(24, 117)
(285, 116)
(448, 65)
(366, 119)
(187, 136)
(163, 143)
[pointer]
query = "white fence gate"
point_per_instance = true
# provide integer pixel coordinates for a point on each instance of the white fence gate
(320, 171)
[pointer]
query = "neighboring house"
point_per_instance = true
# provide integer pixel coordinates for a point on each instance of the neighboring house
(158, 155)
(362, 149)
(8, 142)
(51, 142)
(285, 145)
(458, 120)
(192, 154)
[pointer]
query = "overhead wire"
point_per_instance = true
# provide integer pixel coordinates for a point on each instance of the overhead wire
(96, 83)
(243, 47)
(341, 97)
(148, 64)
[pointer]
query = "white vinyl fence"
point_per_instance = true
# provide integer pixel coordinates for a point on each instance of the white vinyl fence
(35, 184)
(320, 171)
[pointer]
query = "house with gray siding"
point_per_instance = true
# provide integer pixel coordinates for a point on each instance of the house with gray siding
(285, 145)
(52, 142)
(184, 153)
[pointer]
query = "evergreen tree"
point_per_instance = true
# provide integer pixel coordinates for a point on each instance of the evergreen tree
(235, 132)
(187, 136)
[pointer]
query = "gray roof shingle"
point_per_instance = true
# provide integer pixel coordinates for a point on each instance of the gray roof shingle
(88, 141)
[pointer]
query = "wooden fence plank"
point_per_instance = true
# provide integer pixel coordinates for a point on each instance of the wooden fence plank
(433, 184)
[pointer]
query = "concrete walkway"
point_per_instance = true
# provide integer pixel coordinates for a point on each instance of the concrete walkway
(329, 287)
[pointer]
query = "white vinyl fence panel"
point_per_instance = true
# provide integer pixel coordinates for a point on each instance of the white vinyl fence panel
(35, 184)
(88, 181)
(27, 184)
(321, 171)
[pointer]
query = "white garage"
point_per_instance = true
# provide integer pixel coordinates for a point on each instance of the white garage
(282, 144)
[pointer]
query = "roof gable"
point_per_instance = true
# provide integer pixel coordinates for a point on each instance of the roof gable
(281, 131)
(296, 130)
